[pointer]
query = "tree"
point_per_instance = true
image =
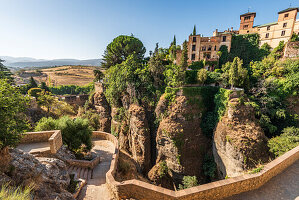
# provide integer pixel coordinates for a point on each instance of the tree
(184, 60)
(202, 76)
(32, 83)
(265, 49)
(34, 92)
(44, 86)
(12, 120)
(46, 99)
(120, 48)
(5, 72)
(156, 68)
(98, 74)
(235, 74)
(223, 55)
(194, 30)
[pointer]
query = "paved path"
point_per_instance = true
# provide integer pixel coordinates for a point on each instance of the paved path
(96, 188)
(284, 186)
(41, 146)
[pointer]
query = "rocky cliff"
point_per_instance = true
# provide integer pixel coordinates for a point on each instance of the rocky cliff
(48, 176)
(181, 145)
(239, 141)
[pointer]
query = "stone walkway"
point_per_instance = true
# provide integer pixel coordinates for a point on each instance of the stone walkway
(96, 188)
(41, 146)
(284, 186)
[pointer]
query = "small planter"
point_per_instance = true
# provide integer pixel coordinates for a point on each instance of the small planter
(84, 163)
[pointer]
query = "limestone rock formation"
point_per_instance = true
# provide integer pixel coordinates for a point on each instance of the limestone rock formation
(48, 175)
(103, 109)
(140, 137)
(239, 141)
(180, 142)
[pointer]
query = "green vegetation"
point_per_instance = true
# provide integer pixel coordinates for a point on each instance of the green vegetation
(5, 72)
(74, 185)
(257, 170)
(120, 49)
(288, 140)
(188, 182)
(76, 134)
(209, 167)
(15, 193)
(72, 89)
(13, 121)
(163, 169)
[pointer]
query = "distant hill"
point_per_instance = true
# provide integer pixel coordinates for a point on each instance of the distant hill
(21, 62)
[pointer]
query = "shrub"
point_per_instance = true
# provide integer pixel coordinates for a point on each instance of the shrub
(34, 92)
(202, 76)
(188, 182)
(288, 140)
(75, 133)
(209, 167)
(163, 169)
(191, 76)
(197, 65)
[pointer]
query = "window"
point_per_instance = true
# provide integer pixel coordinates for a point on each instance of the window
(247, 31)
(203, 48)
(194, 39)
(193, 47)
(283, 33)
(285, 25)
(267, 35)
(215, 48)
(193, 57)
(245, 26)
(224, 39)
(210, 48)
(247, 18)
(286, 15)
(268, 28)
(208, 56)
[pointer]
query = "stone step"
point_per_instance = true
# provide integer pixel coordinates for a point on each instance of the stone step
(80, 172)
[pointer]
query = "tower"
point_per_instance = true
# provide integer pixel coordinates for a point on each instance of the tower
(246, 23)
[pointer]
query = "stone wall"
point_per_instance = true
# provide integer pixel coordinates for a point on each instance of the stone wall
(216, 190)
(292, 50)
(53, 137)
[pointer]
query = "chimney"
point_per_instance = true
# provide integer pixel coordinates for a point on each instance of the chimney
(232, 28)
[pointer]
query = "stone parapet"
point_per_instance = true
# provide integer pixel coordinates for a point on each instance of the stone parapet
(84, 163)
(53, 137)
(216, 190)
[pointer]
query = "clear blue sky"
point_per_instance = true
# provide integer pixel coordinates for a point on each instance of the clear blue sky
(82, 28)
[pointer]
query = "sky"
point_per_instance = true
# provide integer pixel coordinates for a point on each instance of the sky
(81, 29)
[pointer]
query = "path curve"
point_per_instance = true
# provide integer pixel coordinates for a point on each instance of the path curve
(96, 188)
(284, 186)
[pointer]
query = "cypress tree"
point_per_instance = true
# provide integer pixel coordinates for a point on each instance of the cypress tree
(184, 60)
(194, 30)
(32, 83)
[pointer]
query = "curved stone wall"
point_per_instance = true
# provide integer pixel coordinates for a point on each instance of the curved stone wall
(211, 191)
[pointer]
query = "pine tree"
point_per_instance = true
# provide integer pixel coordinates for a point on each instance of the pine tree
(174, 41)
(194, 30)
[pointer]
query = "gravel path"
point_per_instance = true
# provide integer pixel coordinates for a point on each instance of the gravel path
(284, 186)
(96, 188)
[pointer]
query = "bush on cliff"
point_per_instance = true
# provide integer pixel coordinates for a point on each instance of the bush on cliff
(288, 140)
(75, 133)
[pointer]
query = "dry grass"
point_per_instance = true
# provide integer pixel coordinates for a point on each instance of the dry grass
(64, 75)
(11, 193)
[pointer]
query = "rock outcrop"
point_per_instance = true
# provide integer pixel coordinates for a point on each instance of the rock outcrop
(180, 142)
(48, 176)
(239, 141)
(103, 109)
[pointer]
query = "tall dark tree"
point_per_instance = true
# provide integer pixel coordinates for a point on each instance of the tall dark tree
(156, 68)
(194, 30)
(44, 86)
(32, 83)
(120, 48)
(184, 59)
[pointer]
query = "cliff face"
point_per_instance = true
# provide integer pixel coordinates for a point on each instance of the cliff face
(180, 142)
(239, 142)
(103, 109)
